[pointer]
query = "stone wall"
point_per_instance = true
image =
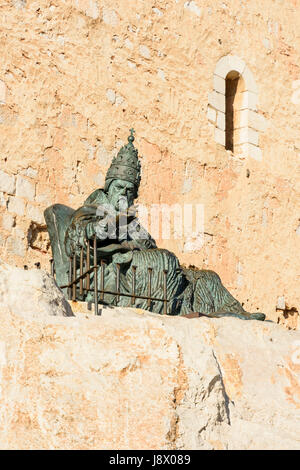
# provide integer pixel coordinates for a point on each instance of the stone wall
(75, 75)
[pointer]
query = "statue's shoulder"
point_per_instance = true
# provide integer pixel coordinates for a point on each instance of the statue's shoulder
(97, 197)
(89, 208)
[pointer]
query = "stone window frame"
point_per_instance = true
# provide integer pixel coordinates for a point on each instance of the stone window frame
(251, 123)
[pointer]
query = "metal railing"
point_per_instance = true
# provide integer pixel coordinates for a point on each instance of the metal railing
(84, 280)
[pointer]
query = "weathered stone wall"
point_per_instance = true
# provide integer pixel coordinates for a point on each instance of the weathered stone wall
(75, 75)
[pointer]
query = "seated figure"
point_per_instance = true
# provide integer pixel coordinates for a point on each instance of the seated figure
(122, 243)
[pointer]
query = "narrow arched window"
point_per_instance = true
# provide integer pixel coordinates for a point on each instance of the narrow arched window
(234, 89)
(232, 108)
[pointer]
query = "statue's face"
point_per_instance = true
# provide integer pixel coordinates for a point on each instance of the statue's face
(121, 194)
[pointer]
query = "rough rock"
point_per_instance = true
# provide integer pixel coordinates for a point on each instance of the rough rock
(31, 293)
(129, 379)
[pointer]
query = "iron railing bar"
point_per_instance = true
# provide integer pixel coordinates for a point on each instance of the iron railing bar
(74, 276)
(88, 265)
(73, 281)
(102, 266)
(52, 269)
(144, 297)
(69, 286)
(78, 278)
(81, 272)
(95, 277)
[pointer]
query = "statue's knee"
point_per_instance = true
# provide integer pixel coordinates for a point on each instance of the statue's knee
(210, 276)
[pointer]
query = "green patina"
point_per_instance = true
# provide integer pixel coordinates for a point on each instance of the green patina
(109, 211)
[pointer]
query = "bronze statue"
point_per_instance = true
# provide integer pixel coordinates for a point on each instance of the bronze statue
(107, 217)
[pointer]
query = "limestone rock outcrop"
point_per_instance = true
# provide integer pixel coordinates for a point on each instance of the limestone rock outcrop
(129, 379)
(31, 293)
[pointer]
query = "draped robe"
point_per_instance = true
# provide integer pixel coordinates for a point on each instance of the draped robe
(188, 290)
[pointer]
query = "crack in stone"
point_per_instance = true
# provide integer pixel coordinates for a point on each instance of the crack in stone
(226, 398)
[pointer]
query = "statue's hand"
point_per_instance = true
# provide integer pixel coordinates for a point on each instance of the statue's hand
(90, 230)
(125, 217)
(102, 228)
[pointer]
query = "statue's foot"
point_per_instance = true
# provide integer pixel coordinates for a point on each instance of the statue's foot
(252, 316)
(257, 316)
(240, 315)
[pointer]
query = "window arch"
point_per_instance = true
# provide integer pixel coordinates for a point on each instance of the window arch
(232, 108)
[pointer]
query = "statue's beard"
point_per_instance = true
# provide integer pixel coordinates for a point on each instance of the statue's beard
(120, 203)
(123, 204)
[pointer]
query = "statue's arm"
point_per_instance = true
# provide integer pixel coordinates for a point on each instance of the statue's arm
(93, 197)
(139, 237)
(83, 224)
